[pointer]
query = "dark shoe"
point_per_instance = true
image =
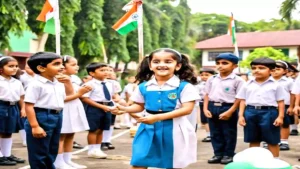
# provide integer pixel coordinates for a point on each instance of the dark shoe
(5, 162)
(265, 145)
(215, 160)
(226, 160)
(294, 133)
(15, 159)
(284, 147)
(207, 139)
(77, 145)
(110, 146)
(104, 146)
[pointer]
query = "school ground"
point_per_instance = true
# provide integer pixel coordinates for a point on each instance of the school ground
(119, 158)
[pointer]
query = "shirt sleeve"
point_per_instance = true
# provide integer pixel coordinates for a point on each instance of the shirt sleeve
(32, 93)
(280, 93)
(88, 94)
(188, 94)
(240, 84)
(208, 84)
(117, 87)
(22, 91)
(296, 88)
(137, 96)
(242, 92)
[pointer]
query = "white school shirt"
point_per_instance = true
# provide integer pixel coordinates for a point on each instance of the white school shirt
(97, 94)
(45, 93)
(223, 90)
(267, 93)
(26, 79)
(129, 88)
(287, 85)
(187, 94)
(10, 89)
(201, 89)
(296, 86)
(75, 79)
(116, 84)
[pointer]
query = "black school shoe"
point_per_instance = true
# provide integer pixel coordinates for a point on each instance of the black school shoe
(77, 145)
(15, 159)
(206, 139)
(284, 147)
(107, 146)
(5, 162)
(226, 160)
(215, 160)
(294, 133)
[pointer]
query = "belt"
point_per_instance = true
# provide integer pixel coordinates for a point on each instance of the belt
(8, 103)
(261, 107)
(156, 112)
(47, 110)
(219, 104)
(105, 103)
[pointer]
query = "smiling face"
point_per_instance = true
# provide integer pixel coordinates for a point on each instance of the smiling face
(163, 64)
(10, 69)
(71, 67)
(52, 69)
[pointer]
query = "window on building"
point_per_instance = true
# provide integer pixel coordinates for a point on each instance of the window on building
(213, 55)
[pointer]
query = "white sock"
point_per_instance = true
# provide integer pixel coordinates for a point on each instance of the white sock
(294, 126)
(6, 144)
(67, 157)
(111, 130)
(284, 141)
(23, 135)
(97, 146)
(208, 134)
(1, 155)
(105, 136)
(59, 161)
(91, 147)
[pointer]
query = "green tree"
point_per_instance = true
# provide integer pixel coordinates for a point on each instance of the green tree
(151, 12)
(12, 20)
(286, 9)
(165, 34)
(264, 52)
(88, 39)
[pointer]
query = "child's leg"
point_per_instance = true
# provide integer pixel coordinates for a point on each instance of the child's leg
(23, 136)
(284, 136)
(99, 138)
(92, 139)
(254, 144)
(6, 144)
(59, 161)
(274, 149)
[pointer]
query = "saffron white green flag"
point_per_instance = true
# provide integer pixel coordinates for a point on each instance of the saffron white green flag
(47, 15)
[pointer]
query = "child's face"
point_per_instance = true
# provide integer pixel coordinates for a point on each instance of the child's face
(28, 70)
(131, 79)
(52, 69)
(11, 68)
(260, 71)
(164, 65)
(205, 75)
(100, 73)
(71, 67)
(225, 66)
(110, 73)
(278, 72)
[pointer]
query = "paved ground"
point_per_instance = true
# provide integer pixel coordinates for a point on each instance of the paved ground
(119, 158)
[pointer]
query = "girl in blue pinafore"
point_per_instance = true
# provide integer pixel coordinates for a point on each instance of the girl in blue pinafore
(165, 138)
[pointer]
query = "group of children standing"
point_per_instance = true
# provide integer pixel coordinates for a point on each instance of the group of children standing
(51, 107)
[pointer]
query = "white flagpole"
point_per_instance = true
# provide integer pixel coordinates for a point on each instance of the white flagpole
(140, 32)
(57, 27)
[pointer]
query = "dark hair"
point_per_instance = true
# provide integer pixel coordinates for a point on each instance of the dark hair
(4, 61)
(66, 59)
(281, 64)
(207, 70)
(265, 61)
(93, 66)
(41, 59)
(186, 72)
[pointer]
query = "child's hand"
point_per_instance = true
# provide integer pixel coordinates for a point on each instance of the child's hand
(63, 78)
(242, 121)
(296, 110)
(290, 111)
(278, 121)
(148, 120)
(116, 111)
(22, 113)
(135, 116)
(38, 132)
(207, 113)
(225, 116)
(84, 89)
(106, 108)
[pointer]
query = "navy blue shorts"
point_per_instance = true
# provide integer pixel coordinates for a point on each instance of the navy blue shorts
(259, 125)
(203, 118)
(9, 118)
(286, 119)
(97, 118)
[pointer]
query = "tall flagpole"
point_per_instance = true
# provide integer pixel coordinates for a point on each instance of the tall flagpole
(57, 27)
(140, 31)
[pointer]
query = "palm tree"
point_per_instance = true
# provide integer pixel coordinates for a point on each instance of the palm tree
(286, 9)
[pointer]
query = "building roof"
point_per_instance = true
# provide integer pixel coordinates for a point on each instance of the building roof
(253, 40)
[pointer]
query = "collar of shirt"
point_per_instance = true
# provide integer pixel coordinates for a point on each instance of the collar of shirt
(99, 81)
(9, 80)
(44, 80)
(173, 81)
(231, 76)
(268, 80)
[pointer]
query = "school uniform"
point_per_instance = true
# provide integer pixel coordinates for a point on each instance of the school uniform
(201, 90)
(221, 93)
(117, 89)
(261, 110)
(98, 118)
(170, 143)
(48, 99)
(10, 92)
(74, 117)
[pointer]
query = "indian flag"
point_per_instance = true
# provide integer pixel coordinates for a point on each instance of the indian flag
(128, 22)
(232, 30)
(47, 15)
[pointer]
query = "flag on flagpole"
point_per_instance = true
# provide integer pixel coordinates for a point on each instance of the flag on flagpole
(128, 22)
(231, 30)
(128, 6)
(47, 15)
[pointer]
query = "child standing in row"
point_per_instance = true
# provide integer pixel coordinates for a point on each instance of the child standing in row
(11, 94)
(220, 108)
(167, 97)
(262, 106)
(44, 100)
(97, 108)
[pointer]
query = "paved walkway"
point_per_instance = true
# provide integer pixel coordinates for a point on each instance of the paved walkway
(119, 158)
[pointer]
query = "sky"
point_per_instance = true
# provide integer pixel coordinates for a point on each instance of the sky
(243, 10)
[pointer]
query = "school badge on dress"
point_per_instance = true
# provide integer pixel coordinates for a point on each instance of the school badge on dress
(172, 96)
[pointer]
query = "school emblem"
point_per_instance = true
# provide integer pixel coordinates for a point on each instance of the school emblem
(172, 96)
(227, 89)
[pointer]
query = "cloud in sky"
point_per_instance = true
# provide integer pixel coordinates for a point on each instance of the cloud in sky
(243, 10)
